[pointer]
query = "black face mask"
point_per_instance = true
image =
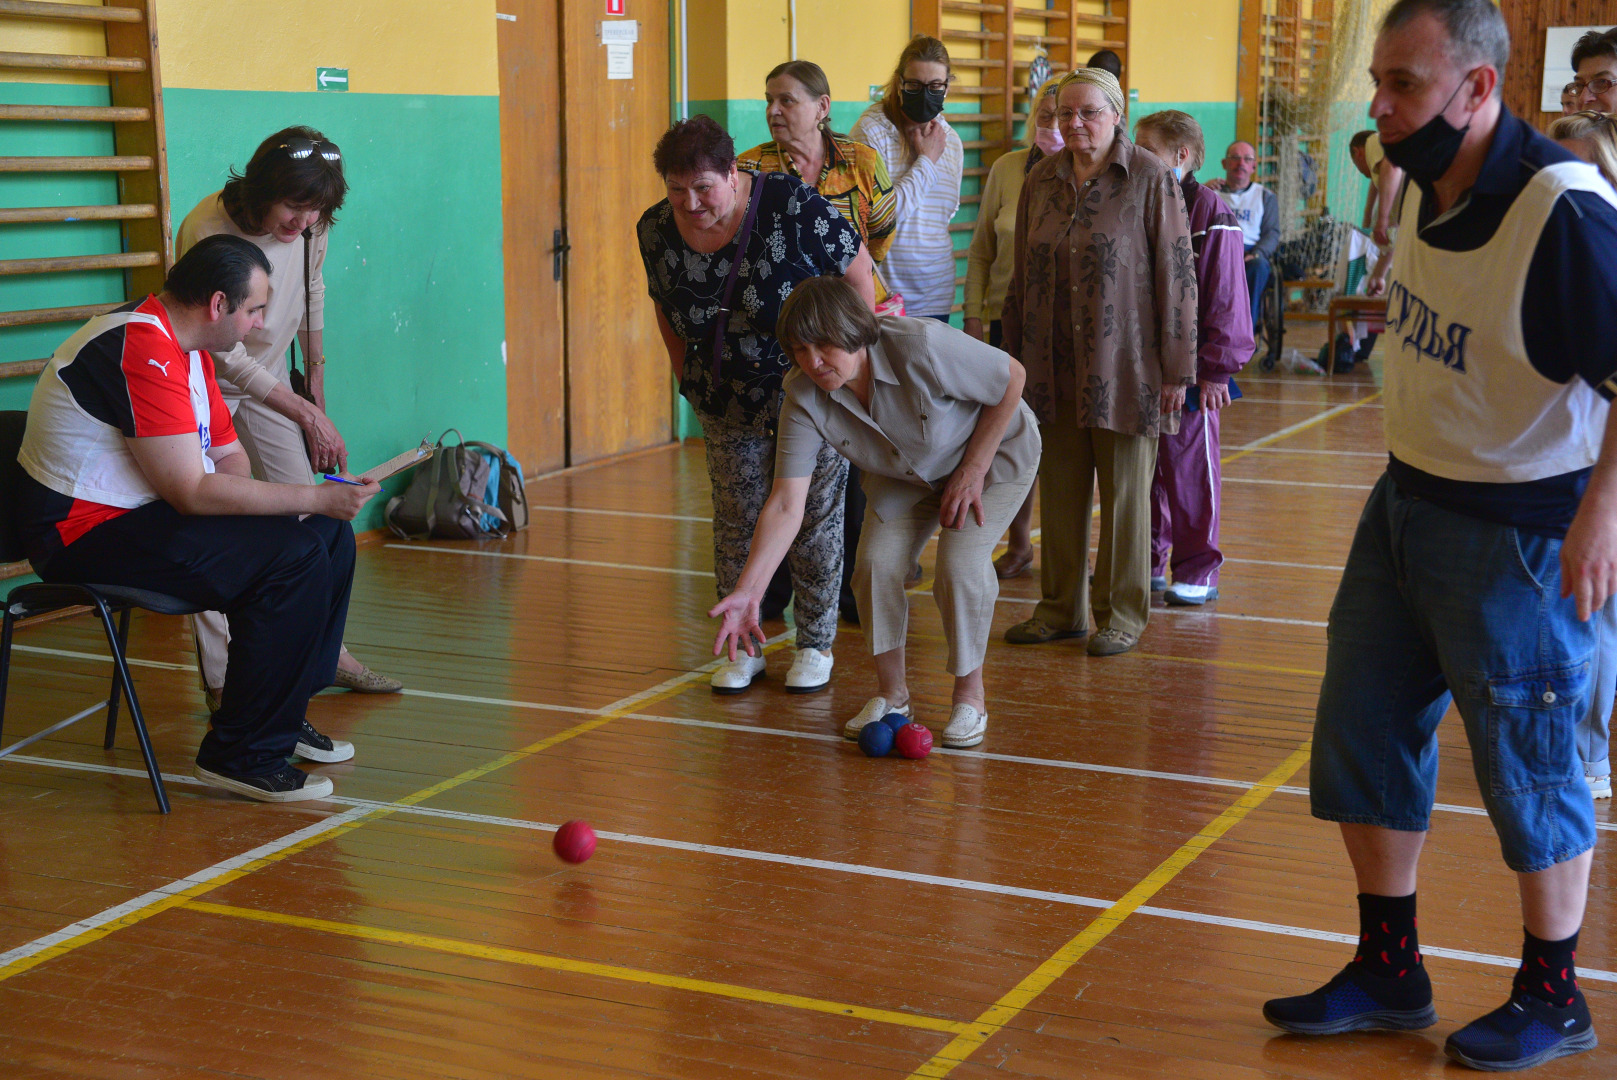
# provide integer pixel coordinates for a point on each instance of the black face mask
(1427, 152)
(921, 105)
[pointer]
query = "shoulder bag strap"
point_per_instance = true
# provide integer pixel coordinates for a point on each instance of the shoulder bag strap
(726, 297)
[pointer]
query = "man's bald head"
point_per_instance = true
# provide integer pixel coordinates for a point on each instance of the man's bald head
(1240, 162)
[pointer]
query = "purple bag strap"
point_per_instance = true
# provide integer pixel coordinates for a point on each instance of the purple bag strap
(742, 236)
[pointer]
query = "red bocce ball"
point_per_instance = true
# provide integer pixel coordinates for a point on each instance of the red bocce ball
(575, 841)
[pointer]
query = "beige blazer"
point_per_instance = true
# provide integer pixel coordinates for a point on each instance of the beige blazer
(929, 385)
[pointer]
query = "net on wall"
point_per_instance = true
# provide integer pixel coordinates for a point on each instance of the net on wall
(1313, 55)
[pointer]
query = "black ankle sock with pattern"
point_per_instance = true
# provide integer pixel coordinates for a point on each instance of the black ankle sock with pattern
(1548, 970)
(1388, 944)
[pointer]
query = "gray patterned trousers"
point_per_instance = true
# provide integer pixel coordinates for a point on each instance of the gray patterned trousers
(741, 466)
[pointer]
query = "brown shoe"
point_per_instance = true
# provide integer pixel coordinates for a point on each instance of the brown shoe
(1012, 565)
(1110, 642)
(366, 681)
(1037, 632)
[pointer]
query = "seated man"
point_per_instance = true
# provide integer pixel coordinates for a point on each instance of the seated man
(1257, 210)
(135, 478)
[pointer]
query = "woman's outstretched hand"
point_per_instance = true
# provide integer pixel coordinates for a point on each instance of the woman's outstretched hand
(740, 626)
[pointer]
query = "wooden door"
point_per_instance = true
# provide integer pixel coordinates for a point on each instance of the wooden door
(531, 185)
(618, 390)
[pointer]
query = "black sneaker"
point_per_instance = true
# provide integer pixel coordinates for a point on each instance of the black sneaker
(1523, 1032)
(1357, 1000)
(313, 746)
(286, 784)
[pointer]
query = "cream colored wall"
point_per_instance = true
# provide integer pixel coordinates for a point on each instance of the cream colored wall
(388, 46)
(1184, 50)
(1181, 50)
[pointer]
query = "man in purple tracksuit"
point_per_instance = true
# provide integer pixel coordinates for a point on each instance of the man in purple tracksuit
(1185, 492)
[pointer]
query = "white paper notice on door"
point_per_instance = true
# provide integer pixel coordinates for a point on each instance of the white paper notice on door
(619, 61)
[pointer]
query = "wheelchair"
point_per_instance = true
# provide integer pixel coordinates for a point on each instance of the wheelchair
(1269, 330)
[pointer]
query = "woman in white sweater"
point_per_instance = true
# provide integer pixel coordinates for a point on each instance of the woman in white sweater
(924, 157)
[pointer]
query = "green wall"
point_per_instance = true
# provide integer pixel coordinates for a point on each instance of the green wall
(415, 308)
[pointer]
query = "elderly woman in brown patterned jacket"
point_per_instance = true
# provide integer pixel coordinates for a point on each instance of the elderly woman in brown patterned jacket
(1101, 311)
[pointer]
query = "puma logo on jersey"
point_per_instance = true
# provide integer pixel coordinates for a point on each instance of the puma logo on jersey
(160, 367)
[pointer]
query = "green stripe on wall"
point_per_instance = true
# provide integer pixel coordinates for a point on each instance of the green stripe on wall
(415, 309)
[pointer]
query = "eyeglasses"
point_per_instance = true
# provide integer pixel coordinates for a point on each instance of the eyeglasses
(1594, 86)
(297, 148)
(914, 86)
(1087, 115)
(1569, 90)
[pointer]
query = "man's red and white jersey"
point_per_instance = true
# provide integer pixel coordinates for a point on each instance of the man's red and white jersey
(122, 376)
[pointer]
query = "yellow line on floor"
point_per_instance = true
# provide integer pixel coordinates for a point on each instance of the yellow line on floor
(1003, 1011)
(1286, 433)
(141, 914)
(501, 954)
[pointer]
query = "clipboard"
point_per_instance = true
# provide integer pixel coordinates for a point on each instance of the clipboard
(399, 463)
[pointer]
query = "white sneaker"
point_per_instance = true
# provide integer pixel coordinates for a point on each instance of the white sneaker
(811, 671)
(1599, 786)
(734, 677)
(1190, 595)
(874, 710)
(966, 727)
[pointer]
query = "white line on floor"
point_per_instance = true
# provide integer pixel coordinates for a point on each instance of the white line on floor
(1295, 483)
(623, 513)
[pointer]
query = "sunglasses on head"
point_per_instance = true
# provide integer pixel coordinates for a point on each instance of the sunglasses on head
(297, 148)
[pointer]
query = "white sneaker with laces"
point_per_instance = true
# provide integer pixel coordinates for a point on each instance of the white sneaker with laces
(732, 677)
(811, 671)
(1599, 786)
(874, 710)
(966, 727)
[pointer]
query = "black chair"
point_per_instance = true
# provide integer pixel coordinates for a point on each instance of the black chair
(28, 601)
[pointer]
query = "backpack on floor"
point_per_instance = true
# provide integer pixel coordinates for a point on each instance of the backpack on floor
(467, 491)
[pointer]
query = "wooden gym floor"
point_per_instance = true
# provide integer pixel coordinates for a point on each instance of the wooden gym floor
(1109, 886)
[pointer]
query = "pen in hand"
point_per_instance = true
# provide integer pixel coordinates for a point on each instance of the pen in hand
(342, 480)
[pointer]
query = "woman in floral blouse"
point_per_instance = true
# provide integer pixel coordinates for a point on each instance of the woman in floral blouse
(1101, 311)
(688, 243)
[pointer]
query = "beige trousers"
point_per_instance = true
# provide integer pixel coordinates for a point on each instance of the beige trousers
(966, 585)
(275, 446)
(1074, 459)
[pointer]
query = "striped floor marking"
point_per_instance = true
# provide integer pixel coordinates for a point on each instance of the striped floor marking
(85, 931)
(1024, 993)
(526, 958)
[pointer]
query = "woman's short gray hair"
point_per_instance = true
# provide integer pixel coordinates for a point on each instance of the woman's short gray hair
(1105, 80)
(826, 311)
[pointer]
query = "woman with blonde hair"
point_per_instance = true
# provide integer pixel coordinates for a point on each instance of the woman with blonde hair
(925, 158)
(1593, 137)
(988, 272)
(1101, 311)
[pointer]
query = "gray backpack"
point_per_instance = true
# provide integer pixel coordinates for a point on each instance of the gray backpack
(447, 497)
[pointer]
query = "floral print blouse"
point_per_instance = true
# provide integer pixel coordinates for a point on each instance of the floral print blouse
(1101, 308)
(797, 235)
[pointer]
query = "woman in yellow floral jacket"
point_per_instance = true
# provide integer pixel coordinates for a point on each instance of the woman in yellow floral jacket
(853, 178)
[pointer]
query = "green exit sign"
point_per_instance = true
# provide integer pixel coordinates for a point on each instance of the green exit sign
(335, 79)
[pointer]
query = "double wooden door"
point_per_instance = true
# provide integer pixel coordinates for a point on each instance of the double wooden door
(586, 373)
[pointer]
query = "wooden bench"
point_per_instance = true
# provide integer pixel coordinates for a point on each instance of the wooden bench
(1306, 283)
